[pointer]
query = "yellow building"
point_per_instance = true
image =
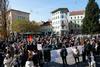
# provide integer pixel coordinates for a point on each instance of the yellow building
(14, 15)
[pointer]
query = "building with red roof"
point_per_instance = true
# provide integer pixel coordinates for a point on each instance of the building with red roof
(75, 21)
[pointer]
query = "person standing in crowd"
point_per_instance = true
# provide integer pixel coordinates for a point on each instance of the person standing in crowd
(7, 60)
(1, 59)
(23, 58)
(93, 47)
(89, 51)
(15, 62)
(93, 63)
(40, 54)
(76, 54)
(35, 58)
(29, 62)
(98, 48)
(29, 56)
(63, 54)
(84, 52)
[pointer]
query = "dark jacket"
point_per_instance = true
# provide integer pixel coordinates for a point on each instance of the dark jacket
(88, 49)
(63, 52)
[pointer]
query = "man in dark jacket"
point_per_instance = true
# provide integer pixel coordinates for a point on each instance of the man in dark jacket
(63, 55)
(98, 48)
(1, 59)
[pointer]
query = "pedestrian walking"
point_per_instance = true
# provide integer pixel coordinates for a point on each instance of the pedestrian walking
(84, 52)
(76, 54)
(63, 54)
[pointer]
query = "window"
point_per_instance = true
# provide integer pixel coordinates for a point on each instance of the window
(78, 17)
(62, 22)
(78, 26)
(58, 17)
(78, 21)
(81, 17)
(62, 16)
(71, 17)
(23, 17)
(62, 27)
(18, 17)
(75, 26)
(75, 21)
(75, 17)
(58, 22)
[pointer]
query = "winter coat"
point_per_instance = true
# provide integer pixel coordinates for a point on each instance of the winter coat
(63, 52)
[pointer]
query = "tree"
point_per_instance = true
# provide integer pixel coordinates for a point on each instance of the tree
(19, 26)
(22, 26)
(35, 26)
(91, 21)
(3, 11)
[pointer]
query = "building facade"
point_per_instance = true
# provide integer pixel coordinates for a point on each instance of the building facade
(75, 21)
(46, 28)
(60, 21)
(14, 15)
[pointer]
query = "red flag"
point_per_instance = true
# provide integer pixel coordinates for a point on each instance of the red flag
(29, 38)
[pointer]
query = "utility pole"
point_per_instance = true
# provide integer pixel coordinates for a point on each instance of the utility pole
(3, 11)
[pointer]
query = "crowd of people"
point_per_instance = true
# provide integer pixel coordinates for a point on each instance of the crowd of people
(90, 52)
(19, 52)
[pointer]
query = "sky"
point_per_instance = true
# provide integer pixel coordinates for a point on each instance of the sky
(40, 10)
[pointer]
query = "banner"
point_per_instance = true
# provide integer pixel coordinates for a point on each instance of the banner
(39, 46)
(55, 54)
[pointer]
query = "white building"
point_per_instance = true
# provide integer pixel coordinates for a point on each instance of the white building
(60, 21)
(75, 21)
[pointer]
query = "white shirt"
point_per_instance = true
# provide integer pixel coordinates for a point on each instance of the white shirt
(7, 62)
(29, 64)
(74, 51)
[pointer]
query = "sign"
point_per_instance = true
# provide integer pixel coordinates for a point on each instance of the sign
(39, 46)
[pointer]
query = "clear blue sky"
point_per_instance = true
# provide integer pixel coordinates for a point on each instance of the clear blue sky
(41, 9)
